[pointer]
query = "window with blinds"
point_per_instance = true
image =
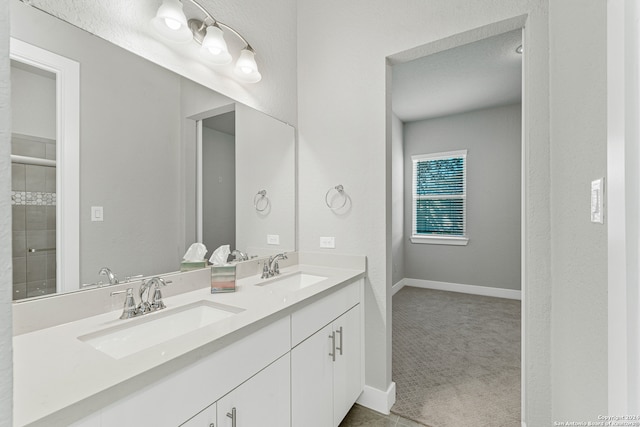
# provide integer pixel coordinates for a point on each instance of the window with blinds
(439, 198)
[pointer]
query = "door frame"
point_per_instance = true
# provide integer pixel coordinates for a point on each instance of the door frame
(494, 29)
(67, 74)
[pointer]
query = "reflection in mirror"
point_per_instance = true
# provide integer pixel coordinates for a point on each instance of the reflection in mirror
(33, 180)
(219, 181)
(138, 157)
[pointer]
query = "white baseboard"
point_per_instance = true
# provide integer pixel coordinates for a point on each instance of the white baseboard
(524, 424)
(378, 400)
(465, 289)
(395, 288)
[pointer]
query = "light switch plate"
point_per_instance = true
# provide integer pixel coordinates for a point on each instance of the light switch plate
(97, 214)
(328, 242)
(597, 201)
(273, 239)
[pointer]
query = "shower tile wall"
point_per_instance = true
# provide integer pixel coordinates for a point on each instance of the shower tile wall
(34, 220)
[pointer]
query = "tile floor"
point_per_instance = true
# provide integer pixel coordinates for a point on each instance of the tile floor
(360, 416)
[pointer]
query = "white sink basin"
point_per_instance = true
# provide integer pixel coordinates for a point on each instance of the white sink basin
(292, 282)
(151, 329)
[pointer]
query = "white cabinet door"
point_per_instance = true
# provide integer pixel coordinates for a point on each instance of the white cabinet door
(347, 369)
(264, 400)
(312, 381)
(324, 388)
(206, 418)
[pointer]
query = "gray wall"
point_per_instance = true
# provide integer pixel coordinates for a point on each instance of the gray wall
(6, 335)
(218, 189)
(33, 95)
(397, 200)
(493, 139)
(578, 100)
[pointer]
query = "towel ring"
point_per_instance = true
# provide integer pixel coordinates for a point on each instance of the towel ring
(339, 189)
(261, 196)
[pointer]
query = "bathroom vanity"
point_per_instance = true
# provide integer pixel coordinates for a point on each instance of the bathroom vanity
(283, 351)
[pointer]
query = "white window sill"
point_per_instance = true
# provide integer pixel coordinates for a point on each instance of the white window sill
(440, 240)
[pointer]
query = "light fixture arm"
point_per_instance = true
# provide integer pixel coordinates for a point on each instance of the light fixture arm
(221, 24)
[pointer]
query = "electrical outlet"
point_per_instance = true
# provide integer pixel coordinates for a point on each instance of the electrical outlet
(328, 242)
(273, 239)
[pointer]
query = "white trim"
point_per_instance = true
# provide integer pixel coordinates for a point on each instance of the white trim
(398, 286)
(437, 156)
(524, 110)
(440, 240)
(465, 289)
(67, 74)
(199, 195)
(378, 400)
(623, 200)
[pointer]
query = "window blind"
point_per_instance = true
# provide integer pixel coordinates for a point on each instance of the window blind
(439, 194)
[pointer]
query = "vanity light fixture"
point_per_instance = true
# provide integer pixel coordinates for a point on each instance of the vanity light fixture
(171, 23)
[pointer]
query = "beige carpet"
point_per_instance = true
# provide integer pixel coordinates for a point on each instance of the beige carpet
(456, 359)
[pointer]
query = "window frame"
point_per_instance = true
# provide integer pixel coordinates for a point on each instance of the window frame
(439, 239)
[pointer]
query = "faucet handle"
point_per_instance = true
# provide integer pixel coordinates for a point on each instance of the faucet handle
(276, 268)
(128, 279)
(156, 300)
(129, 308)
(265, 271)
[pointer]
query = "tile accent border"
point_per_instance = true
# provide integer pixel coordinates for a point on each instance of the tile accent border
(33, 198)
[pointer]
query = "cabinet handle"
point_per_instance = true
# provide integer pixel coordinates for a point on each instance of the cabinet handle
(333, 346)
(232, 415)
(339, 331)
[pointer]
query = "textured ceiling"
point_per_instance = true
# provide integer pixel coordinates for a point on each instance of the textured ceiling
(269, 26)
(486, 73)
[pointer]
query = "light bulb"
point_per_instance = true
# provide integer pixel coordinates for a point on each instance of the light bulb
(214, 42)
(246, 68)
(171, 23)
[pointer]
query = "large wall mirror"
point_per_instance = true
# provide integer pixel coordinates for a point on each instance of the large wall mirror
(163, 162)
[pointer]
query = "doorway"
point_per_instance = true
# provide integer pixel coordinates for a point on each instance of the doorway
(45, 155)
(467, 97)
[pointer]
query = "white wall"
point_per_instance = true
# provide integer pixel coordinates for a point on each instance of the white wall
(33, 95)
(6, 335)
(492, 138)
(345, 138)
(265, 160)
(578, 106)
(397, 200)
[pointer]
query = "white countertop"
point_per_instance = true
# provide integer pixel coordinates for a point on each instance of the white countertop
(56, 374)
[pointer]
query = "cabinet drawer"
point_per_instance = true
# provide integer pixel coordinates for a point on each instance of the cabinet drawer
(306, 321)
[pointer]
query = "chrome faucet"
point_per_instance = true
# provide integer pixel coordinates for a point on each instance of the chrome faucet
(156, 301)
(272, 268)
(106, 271)
(238, 255)
(130, 308)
